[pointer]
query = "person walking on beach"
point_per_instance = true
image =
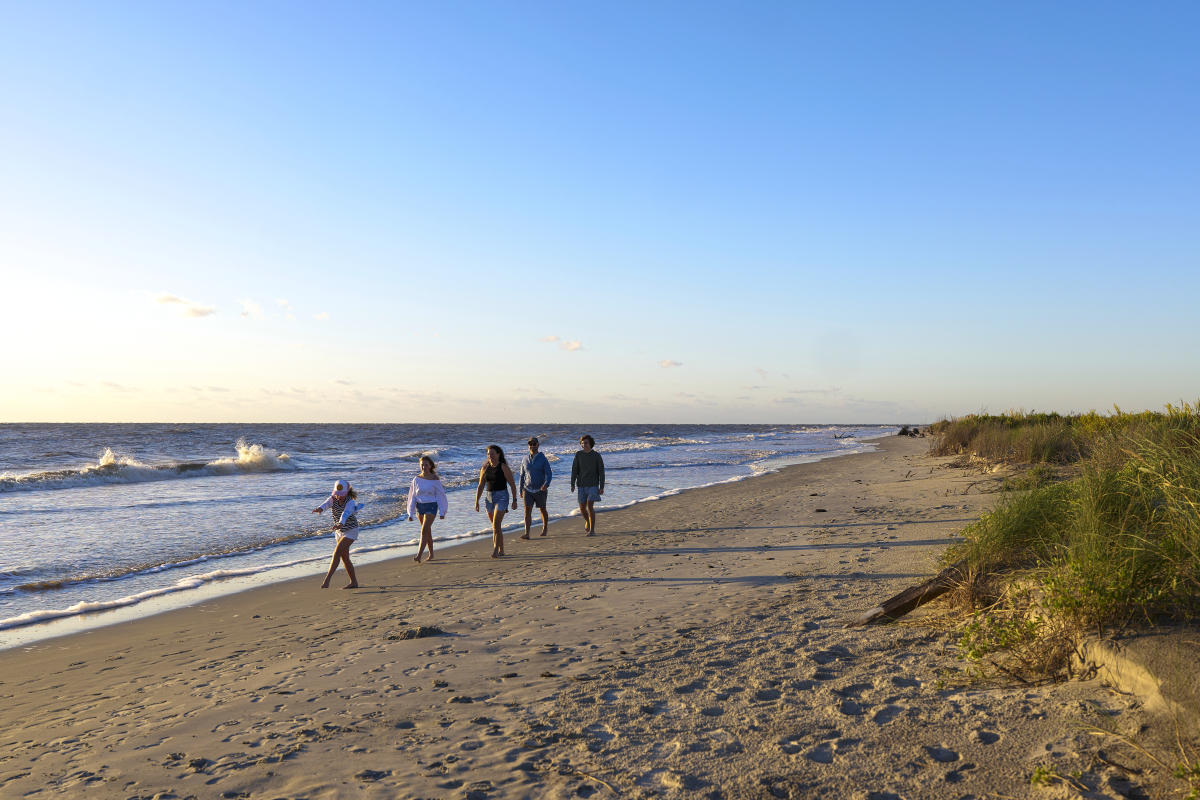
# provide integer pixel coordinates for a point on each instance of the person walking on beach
(427, 498)
(495, 474)
(587, 470)
(535, 485)
(343, 504)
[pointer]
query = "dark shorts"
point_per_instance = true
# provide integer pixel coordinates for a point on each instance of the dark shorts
(536, 499)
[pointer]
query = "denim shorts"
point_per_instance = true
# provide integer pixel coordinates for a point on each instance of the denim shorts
(427, 508)
(497, 499)
(589, 493)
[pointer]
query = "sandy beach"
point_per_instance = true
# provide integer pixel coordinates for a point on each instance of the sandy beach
(695, 648)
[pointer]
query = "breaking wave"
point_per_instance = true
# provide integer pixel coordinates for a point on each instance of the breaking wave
(112, 468)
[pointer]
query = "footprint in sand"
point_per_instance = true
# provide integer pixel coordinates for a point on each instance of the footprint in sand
(984, 737)
(850, 708)
(886, 714)
(791, 744)
(821, 754)
(942, 755)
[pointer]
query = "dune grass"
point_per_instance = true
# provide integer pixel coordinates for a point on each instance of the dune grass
(1114, 546)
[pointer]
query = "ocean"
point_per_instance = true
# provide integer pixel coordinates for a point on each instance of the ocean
(105, 522)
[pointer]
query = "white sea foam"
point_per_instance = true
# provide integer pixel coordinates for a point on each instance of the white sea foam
(112, 468)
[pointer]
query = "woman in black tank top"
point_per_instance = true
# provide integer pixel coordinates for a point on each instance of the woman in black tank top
(496, 476)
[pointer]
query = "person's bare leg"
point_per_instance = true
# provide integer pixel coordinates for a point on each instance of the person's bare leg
(528, 519)
(333, 562)
(545, 521)
(495, 527)
(353, 584)
(427, 533)
(591, 512)
(497, 535)
(587, 523)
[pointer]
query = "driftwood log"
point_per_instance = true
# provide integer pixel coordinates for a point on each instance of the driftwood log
(896, 607)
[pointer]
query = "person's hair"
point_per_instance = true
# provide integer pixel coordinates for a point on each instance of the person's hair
(589, 439)
(496, 447)
(350, 493)
(432, 465)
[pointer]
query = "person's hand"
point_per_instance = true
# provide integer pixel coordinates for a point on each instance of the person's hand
(318, 510)
(476, 505)
(600, 492)
(337, 527)
(442, 516)
(514, 508)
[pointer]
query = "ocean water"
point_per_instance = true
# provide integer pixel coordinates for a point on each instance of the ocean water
(103, 517)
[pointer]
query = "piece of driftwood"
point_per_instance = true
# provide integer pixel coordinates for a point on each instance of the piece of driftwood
(919, 595)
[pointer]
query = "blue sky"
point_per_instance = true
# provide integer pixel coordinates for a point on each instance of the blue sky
(484, 211)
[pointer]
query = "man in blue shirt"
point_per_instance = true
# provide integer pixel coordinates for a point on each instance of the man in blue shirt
(535, 481)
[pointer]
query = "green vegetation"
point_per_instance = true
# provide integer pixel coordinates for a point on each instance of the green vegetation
(1114, 542)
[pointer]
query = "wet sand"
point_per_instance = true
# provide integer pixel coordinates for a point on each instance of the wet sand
(694, 648)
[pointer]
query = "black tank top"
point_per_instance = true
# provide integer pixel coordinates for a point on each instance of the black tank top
(494, 478)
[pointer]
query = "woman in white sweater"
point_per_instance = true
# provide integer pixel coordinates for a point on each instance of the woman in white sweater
(426, 497)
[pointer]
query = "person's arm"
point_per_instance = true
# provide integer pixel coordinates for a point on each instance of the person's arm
(442, 501)
(352, 508)
(511, 484)
(549, 472)
(328, 502)
(479, 488)
(600, 465)
(574, 471)
(523, 475)
(412, 499)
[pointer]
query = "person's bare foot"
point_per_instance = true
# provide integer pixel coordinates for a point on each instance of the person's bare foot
(429, 557)
(325, 585)
(526, 536)
(591, 533)
(543, 533)
(417, 559)
(495, 554)
(350, 586)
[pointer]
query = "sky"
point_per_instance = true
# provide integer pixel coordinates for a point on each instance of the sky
(558, 211)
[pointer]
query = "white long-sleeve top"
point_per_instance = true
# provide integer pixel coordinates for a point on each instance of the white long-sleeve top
(424, 490)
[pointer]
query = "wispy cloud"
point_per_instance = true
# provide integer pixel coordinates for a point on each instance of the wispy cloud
(322, 316)
(762, 373)
(284, 304)
(190, 309)
(550, 338)
(667, 363)
(830, 390)
(572, 345)
(251, 309)
(116, 387)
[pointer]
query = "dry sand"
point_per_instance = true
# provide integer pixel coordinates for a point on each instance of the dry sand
(694, 648)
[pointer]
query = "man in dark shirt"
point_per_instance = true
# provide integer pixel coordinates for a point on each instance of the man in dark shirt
(535, 482)
(588, 472)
